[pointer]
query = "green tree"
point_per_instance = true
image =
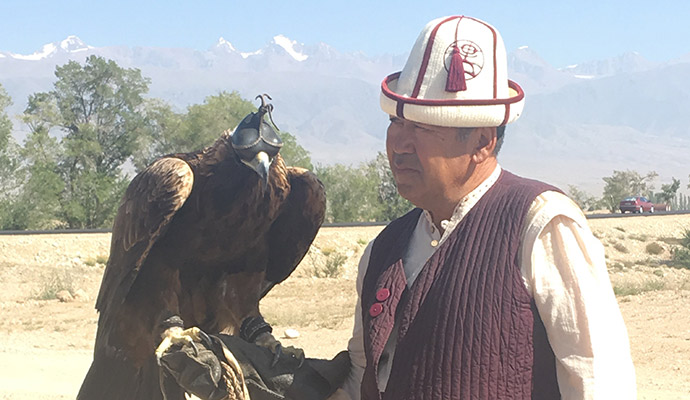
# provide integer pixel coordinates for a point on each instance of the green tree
(668, 191)
(43, 184)
(362, 194)
(10, 175)
(163, 135)
(98, 106)
(392, 205)
(626, 183)
(294, 154)
(351, 194)
(582, 198)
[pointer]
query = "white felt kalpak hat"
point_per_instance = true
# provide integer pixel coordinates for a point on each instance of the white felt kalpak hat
(456, 76)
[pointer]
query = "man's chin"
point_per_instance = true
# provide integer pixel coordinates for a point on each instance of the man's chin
(408, 191)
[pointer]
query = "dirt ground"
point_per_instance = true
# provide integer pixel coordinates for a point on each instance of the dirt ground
(46, 344)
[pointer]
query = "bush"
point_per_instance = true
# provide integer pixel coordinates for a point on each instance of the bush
(99, 260)
(51, 284)
(631, 289)
(685, 240)
(681, 257)
(331, 266)
(621, 247)
(654, 248)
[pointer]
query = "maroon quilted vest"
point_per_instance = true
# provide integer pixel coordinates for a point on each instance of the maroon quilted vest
(468, 327)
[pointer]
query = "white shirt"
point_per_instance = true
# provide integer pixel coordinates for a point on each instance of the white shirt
(564, 269)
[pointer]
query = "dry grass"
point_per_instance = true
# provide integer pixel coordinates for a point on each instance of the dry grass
(311, 302)
(50, 284)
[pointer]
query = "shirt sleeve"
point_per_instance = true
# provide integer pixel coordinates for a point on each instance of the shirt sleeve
(355, 347)
(564, 268)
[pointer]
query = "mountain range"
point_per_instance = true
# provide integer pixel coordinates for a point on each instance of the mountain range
(580, 122)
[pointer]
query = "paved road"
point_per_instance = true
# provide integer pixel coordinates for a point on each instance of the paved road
(655, 213)
(339, 224)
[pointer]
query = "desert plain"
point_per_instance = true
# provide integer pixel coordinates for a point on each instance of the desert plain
(46, 343)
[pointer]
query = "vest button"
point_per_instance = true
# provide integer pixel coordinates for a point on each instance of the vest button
(376, 309)
(383, 294)
(434, 243)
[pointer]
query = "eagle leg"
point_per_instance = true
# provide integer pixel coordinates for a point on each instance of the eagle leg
(256, 330)
(268, 341)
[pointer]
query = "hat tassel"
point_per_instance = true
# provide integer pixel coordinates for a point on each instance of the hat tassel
(456, 73)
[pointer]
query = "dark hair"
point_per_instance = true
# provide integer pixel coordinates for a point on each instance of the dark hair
(463, 133)
(500, 132)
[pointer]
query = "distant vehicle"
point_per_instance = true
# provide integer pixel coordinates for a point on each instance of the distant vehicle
(639, 204)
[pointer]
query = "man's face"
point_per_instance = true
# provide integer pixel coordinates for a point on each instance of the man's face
(430, 163)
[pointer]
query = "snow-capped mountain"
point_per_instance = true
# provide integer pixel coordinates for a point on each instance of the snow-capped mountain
(533, 73)
(625, 63)
(71, 44)
(224, 45)
(291, 47)
(279, 45)
(628, 114)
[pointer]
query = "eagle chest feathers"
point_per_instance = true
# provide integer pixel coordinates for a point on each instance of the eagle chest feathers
(227, 216)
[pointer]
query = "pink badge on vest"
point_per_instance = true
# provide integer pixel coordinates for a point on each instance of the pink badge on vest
(383, 294)
(376, 309)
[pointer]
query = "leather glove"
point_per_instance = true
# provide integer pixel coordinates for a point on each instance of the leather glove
(208, 372)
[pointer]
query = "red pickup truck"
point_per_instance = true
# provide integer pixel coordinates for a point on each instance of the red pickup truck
(639, 204)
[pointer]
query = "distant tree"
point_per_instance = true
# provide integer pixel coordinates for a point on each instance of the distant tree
(294, 154)
(351, 194)
(362, 194)
(668, 191)
(10, 176)
(163, 135)
(626, 183)
(392, 204)
(98, 106)
(583, 199)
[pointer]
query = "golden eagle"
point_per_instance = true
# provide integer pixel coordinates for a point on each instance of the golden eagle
(200, 236)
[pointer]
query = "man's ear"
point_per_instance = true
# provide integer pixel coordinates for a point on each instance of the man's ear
(486, 143)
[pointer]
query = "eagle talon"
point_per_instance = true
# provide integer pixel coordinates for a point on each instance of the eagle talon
(277, 351)
(176, 335)
(194, 348)
(205, 339)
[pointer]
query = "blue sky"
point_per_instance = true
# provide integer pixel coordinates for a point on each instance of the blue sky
(562, 32)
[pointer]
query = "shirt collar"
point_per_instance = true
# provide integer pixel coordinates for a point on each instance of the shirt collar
(462, 208)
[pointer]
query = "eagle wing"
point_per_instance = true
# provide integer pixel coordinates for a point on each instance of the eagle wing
(149, 203)
(295, 229)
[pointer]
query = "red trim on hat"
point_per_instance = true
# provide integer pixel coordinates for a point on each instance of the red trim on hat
(427, 55)
(400, 109)
(449, 102)
(507, 115)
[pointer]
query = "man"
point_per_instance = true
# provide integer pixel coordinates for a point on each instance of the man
(494, 287)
